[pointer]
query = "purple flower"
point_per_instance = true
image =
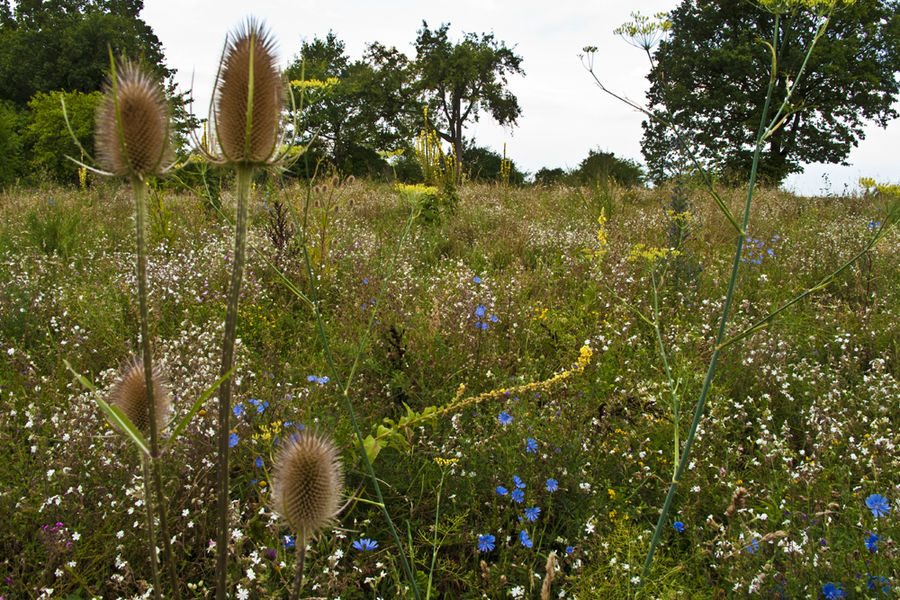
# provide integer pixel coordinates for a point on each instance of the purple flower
(878, 504)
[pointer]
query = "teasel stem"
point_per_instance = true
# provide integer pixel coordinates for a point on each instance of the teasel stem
(139, 188)
(244, 176)
(298, 577)
(151, 537)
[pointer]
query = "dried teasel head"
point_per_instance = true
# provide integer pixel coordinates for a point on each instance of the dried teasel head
(129, 394)
(133, 136)
(249, 97)
(307, 483)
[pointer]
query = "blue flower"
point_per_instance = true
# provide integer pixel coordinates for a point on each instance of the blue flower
(502, 490)
(365, 544)
(552, 485)
(259, 461)
(532, 514)
(518, 496)
(505, 418)
(288, 542)
(570, 549)
(479, 311)
(494, 319)
(476, 279)
(833, 592)
(238, 409)
(872, 542)
(486, 542)
(524, 539)
(233, 440)
(873, 581)
(311, 378)
(679, 527)
(531, 445)
(878, 504)
(753, 546)
(518, 481)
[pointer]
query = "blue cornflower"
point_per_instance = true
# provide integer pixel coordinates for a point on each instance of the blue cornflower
(365, 544)
(570, 549)
(518, 496)
(482, 326)
(518, 481)
(238, 409)
(479, 311)
(505, 418)
(552, 485)
(311, 378)
(494, 319)
(679, 527)
(833, 592)
(502, 490)
(288, 542)
(531, 445)
(878, 504)
(233, 440)
(476, 279)
(486, 542)
(873, 581)
(259, 461)
(524, 539)
(872, 542)
(753, 546)
(532, 514)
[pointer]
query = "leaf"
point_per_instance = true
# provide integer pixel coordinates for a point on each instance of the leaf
(81, 378)
(372, 447)
(124, 424)
(196, 407)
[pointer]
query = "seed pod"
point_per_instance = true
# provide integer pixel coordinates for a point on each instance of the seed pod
(133, 135)
(307, 483)
(249, 97)
(129, 394)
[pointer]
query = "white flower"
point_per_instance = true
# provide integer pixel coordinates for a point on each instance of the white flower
(242, 594)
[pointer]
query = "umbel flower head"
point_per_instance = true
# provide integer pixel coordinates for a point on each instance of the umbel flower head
(129, 394)
(307, 483)
(133, 136)
(249, 97)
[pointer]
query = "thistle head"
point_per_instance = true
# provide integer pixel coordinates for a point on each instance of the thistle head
(129, 394)
(249, 97)
(133, 136)
(307, 483)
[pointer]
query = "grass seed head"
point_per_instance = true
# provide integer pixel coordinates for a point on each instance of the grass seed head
(247, 130)
(307, 483)
(129, 394)
(133, 134)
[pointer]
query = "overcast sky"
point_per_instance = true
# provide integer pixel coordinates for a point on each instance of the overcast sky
(564, 114)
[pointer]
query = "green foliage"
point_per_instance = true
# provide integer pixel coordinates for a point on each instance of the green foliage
(712, 71)
(48, 138)
(483, 164)
(459, 80)
(53, 228)
(603, 166)
(10, 143)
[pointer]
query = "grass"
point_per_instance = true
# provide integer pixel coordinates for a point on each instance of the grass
(498, 294)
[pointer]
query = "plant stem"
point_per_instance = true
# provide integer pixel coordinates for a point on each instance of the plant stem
(434, 544)
(244, 175)
(139, 188)
(298, 577)
(151, 537)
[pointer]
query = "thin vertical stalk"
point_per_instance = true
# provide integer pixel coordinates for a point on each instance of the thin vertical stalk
(140, 199)
(662, 352)
(244, 175)
(151, 535)
(726, 309)
(298, 577)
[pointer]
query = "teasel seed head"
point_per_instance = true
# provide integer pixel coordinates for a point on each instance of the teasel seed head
(129, 394)
(307, 483)
(248, 131)
(133, 136)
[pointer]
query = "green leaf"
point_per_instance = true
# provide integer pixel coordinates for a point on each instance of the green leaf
(124, 424)
(81, 378)
(196, 407)
(373, 447)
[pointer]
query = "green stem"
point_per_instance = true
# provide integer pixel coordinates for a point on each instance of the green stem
(298, 576)
(140, 199)
(151, 536)
(665, 359)
(729, 297)
(345, 392)
(434, 544)
(244, 176)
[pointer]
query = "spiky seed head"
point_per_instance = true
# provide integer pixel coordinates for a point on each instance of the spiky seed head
(129, 394)
(247, 131)
(307, 483)
(133, 135)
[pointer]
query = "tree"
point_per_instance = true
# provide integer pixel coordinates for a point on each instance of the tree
(602, 166)
(459, 80)
(711, 75)
(63, 45)
(355, 107)
(47, 136)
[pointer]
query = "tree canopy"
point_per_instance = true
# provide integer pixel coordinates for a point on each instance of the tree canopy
(460, 80)
(712, 72)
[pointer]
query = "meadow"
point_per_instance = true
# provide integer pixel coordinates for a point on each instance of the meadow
(524, 426)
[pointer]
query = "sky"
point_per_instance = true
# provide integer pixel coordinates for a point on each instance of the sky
(564, 113)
